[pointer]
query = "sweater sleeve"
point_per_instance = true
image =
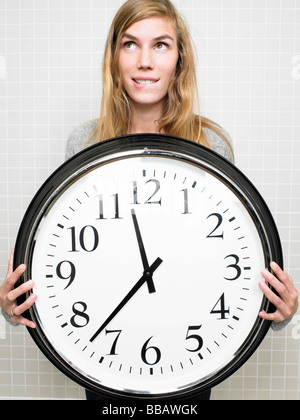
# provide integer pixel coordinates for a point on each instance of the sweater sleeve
(78, 138)
(7, 318)
(219, 144)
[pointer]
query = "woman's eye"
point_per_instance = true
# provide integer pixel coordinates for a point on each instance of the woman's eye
(129, 45)
(161, 46)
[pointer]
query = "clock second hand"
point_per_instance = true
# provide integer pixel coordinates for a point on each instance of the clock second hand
(147, 274)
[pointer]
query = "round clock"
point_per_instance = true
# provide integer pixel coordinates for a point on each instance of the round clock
(146, 252)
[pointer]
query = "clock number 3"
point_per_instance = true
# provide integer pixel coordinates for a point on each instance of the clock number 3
(235, 266)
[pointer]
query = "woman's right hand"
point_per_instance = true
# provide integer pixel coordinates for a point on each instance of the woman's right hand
(9, 294)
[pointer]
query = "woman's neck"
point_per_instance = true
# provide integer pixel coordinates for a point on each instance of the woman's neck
(144, 119)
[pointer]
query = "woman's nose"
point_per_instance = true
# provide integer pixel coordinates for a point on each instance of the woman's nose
(145, 59)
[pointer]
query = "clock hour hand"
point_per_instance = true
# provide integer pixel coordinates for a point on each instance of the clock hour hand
(150, 283)
(147, 274)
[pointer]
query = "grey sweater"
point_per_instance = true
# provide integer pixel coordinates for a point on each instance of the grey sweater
(80, 134)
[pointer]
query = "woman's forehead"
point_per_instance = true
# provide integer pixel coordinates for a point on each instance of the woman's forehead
(155, 27)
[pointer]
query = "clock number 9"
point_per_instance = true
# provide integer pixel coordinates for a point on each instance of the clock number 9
(66, 275)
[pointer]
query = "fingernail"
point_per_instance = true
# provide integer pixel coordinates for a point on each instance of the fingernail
(273, 265)
(22, 267)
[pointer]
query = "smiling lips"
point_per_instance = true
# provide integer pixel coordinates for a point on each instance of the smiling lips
(145, 81)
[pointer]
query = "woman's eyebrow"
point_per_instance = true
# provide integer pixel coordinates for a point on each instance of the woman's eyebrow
(156, 39)
(162, 37)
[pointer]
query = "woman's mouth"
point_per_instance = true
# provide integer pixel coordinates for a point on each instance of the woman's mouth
(145, 81)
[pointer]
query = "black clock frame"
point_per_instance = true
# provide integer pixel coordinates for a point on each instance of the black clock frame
(143, 145)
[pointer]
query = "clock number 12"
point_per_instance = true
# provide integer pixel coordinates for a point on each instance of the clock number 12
(150, 199)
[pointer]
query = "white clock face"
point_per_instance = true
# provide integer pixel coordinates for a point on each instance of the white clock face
(184, 321)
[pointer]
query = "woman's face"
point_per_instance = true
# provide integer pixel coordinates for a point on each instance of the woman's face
(147, 60)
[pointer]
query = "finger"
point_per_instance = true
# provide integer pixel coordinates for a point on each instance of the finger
(10, 263)
(273, 298)
(274, 316)
(12, 279)
(276, 284)
(19, 291)
(20, 309)
(24, 321)
(282, 276)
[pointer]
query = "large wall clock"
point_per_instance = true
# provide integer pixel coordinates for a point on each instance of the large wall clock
(146, 252)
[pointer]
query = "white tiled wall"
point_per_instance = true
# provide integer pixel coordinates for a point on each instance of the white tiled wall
(249, 81)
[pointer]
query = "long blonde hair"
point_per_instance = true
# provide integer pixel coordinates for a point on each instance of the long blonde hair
(178, 118)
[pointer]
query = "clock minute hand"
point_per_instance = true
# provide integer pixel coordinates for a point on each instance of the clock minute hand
(147, 274)
(150, 283)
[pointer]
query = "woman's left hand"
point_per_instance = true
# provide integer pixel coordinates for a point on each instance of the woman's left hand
(286, 299)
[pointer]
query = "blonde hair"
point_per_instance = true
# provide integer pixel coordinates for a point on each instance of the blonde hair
(178, 118)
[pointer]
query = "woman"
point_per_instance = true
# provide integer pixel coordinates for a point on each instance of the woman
(149, 85)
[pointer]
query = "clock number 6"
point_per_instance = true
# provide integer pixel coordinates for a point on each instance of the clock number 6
(146, 349)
